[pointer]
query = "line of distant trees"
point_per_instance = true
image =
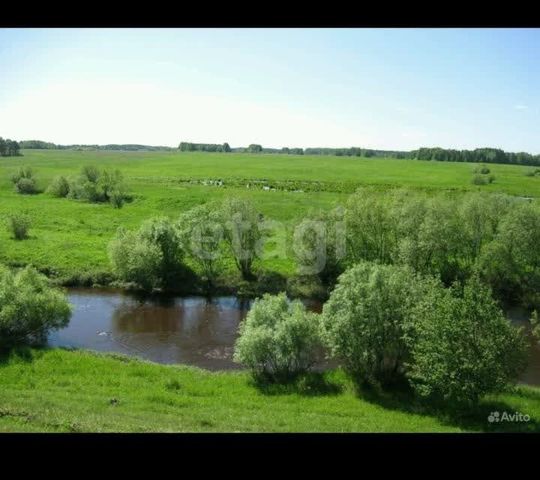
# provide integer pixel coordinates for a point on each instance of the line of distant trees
(204, 147)
(9, 148)
(479, 155)
(39, 144)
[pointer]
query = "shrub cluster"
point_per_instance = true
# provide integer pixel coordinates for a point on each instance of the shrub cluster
(24, 181)
(387, 325)
(92, 185)
(444, 235)
(29, 308)
(19, 224)
(150, 257)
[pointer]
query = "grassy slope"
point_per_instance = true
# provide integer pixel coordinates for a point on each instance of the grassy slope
(71, 237)
(58, 390)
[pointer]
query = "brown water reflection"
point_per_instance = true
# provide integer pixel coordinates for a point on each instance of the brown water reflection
(192, 330)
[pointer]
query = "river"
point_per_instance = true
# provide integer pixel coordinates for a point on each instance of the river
(190, 330)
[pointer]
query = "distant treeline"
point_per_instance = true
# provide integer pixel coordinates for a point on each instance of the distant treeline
(479, 155)
(9, 148)
(204, 147)
(39, 144)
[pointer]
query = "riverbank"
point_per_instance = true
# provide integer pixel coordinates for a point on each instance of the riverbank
(57, 390)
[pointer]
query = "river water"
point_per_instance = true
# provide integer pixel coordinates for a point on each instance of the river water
(190, 330)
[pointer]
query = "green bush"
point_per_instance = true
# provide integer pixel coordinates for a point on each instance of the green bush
(117, 198)
(482, 169)
(278, 339)
(97, 186)
(150, 257)
(90, 173)
(59, 187)
(462, 346)
(535, 324)
(241, 233)
(19, 224)
(479, 180)
(367, 317)
(23, 172)
(29, 308)
(26, 186)
(319, 245)
(136, 260)
(510, 264)
(201, 231)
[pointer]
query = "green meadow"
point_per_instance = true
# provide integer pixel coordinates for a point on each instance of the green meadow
(69, 237)
(76, 391)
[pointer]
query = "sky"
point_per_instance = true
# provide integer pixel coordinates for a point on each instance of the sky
(374, 88)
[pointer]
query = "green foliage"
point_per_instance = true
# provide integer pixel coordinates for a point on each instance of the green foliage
(24, 181)
(59, 187)
(482, 169)
(22, 172)
(367, 317)
(136, 260)
(370, 226)
(485, 155)
(319, 245)
(278, 339)
(26, 186)
(434, 243)
(463, 347)
(204, 147)
(151, 257)
(511, 262)
(19, 224)
(535, 324)
(480, 180)
(201, 231)
(97, 186)
(241, 232)
(29, 307)
(9, 148)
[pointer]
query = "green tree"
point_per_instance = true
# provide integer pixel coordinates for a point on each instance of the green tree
(254, 148)
(511, 262)
(278, 339)
(29, 308)
(59, 187)
(367, 317)
(462, 346)
(319, 245)
(151, 257)
(201, 231)
(242, 233)
(370, 226)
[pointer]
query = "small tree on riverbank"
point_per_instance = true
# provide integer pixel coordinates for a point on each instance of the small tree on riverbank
(242, 233)
(278, 339)
(151, 257)
(201, 231)
(29, 308)
(463, 347)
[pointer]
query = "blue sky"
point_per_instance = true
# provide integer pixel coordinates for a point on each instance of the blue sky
(375, 88)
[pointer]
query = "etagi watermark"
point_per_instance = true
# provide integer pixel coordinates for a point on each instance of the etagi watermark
(496, 417)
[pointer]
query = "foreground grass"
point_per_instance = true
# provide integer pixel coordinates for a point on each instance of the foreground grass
(77, 391)
(69, 238)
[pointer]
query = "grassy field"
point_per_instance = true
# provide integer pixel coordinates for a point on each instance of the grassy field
(76, 391)
(70, 237)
